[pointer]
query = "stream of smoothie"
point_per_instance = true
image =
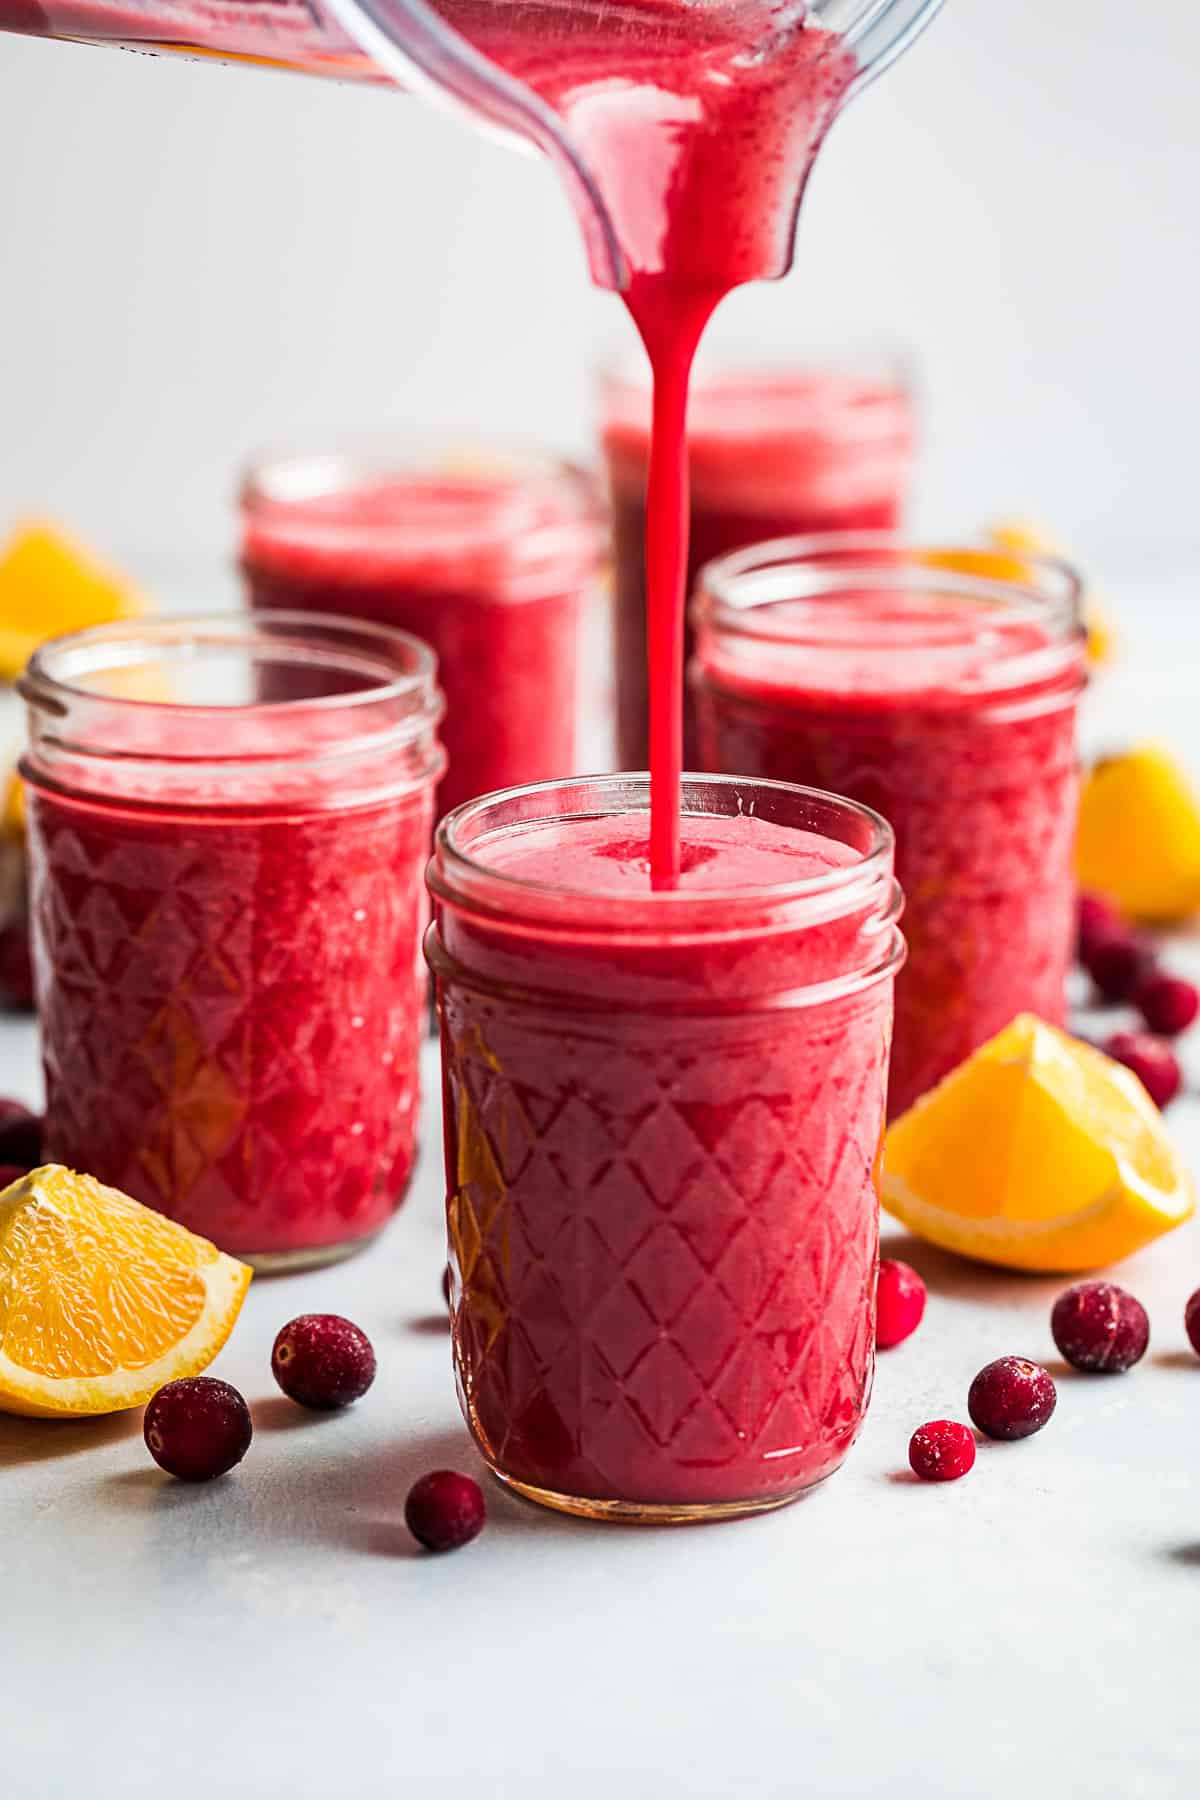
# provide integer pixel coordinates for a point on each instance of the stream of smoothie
(700, 126)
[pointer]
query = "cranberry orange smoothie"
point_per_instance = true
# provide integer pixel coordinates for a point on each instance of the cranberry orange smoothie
(949, 705)
(227, 906)
(773, 452)
(488, 565)
(664, 1112)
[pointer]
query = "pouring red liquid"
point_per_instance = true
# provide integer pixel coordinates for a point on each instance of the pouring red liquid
(700, 127)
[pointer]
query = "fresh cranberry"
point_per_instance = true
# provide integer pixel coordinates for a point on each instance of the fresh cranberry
(899, 1303)
(16, 968)
(941, 1451)
(1167, 1004)
(20, 1136)
(1118, 964)
(323, 1361)
(1011, 1398)
(1099, 1327)
(1152, 1060)
(444, 1510)
(9, 1172)
(1096, 918)
(1191, 1321)
(198, 1428)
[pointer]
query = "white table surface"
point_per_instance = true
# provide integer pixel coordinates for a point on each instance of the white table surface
(1029, 1631)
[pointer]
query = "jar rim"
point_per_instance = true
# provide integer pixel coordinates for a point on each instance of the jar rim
(873, 390)
(185, 633)
(280, 485)
(370, 738)
(739, 595)
(460, 876)
(859, 553)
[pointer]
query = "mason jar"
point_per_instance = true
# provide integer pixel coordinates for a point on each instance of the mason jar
(489, 558)
(939, 685)
(774, 450)
(664, 1112)
(227, 905)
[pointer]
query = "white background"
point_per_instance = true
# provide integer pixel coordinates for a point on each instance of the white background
(195, 261)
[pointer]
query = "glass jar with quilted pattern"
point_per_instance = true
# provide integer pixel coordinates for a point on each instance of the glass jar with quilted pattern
(664, 1116)
(227, 904)
(939, 685)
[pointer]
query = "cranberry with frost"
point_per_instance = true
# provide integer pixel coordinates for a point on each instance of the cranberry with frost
(1167, 1003)
(943, 1450)
(323, 1361)
(198, 1428)
(899, 1303)
(1096, 918)
(1118, 964)
(1011, 1398)
(1100, 1328)
(20, 1136)
(445, 1510)
(1191, 1321)
(1152, 1060)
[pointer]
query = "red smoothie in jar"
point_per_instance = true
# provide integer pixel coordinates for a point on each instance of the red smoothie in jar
(948, 703)
(489, 564)
(227, 903)
(773, 453)
(664, 1112)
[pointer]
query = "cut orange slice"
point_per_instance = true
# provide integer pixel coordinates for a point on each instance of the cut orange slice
(102, 1300)
(1139, 835)
(49, 584)
(1036, 1153)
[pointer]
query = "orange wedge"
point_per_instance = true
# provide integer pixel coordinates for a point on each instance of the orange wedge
(12, 809)
(50, 584)
(1036, 1153)
(102, 1300)
(1139, 835)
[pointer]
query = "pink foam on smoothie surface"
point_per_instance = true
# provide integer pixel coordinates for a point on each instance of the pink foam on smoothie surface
(608, 855)
(758, 439)
(893, 648)
(478, 528)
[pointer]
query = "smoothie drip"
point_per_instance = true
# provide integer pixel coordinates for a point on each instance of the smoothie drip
(699, 126)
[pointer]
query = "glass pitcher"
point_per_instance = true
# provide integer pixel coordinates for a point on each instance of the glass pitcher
(435, 48)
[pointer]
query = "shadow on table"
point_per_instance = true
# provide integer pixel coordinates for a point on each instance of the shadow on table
(431, 1325)
(277, 1413)
(956, 1276)
(39, 1440)
(1186, 1556)
(352, 1497)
